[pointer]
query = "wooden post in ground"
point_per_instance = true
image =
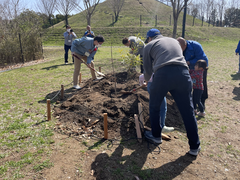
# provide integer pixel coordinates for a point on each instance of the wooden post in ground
(105, 126)
(139, 134)
(80, 78)
(62, 91)
(140, 111)
(48, 110)
(99, 69)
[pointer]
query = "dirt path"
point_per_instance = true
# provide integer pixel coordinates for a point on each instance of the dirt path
(77, 156)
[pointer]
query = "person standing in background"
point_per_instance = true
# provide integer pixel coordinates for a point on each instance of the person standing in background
(89, 33)
(69, 35)
(237, 51)
(193, 51)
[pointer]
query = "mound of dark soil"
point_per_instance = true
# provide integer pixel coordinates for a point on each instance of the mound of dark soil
(83, 112)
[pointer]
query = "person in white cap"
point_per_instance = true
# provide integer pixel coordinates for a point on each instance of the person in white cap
(163, 56)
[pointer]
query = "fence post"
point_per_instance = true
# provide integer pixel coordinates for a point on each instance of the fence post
(48, 110)
(140, 20)
(156, 21)
(21, 47)
(62, 92)
(209, 22)
(202, 20)
(41, 45)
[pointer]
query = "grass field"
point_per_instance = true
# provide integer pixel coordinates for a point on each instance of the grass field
(26, 136)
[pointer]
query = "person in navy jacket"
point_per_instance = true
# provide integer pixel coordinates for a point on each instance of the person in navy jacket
(237, 51)
(193, 51)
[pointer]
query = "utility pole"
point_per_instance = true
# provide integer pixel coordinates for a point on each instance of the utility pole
(184, 18)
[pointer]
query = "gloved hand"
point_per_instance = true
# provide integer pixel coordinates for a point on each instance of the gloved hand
(141, 79)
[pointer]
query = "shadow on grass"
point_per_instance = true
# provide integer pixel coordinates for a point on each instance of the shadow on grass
(236, 91)
(56, 95)
(56, 66)
(235, 76)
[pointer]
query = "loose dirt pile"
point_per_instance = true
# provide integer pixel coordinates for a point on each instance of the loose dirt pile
(83, 113)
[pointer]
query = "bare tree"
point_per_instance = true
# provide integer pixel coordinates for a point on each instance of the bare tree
(65, 7)
(88, 9)
(194, 13)
(116, 6)
(221, 5)
(177, 6)
(46, 7)
(209, 7)
(12, 8)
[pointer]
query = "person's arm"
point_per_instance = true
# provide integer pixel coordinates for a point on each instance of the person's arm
(90, 57)
(65, 34)
(147, 63)
(74, 35)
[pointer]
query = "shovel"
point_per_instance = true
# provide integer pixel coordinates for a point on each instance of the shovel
(99, 73)
(134, 90)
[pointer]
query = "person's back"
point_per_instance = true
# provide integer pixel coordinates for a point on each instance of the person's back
(163, 56)
(164, 51)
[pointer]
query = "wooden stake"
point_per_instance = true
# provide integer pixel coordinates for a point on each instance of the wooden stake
(139, 134)
(140, 112)
(99, 69)
(80, 78)
(105, 126)
(48, 110)
(62, 91)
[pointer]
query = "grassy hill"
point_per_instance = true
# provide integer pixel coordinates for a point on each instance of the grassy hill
(129, 24)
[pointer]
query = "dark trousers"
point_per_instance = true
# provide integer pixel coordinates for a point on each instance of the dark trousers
(205, 91)
(176, 80)
(67, 48)
(197, 94)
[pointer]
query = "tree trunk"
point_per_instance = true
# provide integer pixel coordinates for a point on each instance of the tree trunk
(66, 19)
(89, 20)
(174, 28)
(116, 18)
(193, 21)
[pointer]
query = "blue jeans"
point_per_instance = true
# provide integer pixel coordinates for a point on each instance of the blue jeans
(176, 80)
(67, 48)
(163, 108)
(197, 94)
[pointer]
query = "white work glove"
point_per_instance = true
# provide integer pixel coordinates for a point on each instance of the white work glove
(141, 79)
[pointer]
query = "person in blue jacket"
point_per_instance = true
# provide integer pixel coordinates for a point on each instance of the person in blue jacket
(193, 51)
(89, 32)
(85, 48)
(237, 51)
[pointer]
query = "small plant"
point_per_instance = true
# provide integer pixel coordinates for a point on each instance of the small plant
(131, 59)
(44, 164)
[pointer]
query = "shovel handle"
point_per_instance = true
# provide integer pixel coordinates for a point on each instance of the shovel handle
(144, 85)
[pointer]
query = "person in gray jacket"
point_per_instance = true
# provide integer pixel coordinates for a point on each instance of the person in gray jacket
(69, 35)
(136, 45)
(163, 57)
